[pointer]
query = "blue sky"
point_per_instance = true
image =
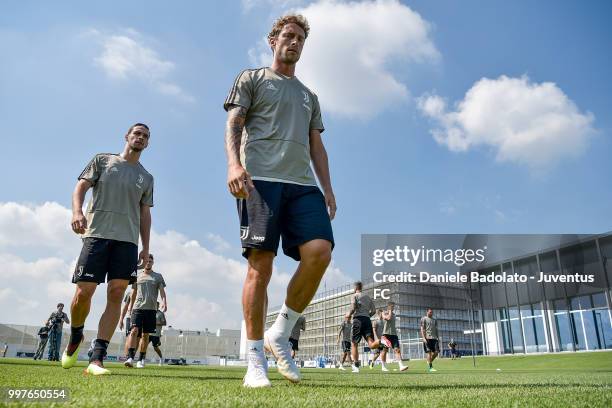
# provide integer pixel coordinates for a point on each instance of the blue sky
(66, 94)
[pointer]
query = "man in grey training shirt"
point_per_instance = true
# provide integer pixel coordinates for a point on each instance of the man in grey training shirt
(117, 215)
(390, 339)
(362, 308)
(344, 336)
(378, 325)
(143, 306)
(429, 334)
(272, 136)
(294, 338)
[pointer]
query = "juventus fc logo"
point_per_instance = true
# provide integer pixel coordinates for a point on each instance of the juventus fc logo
(244, 232)
(306, 97)
(80, 271)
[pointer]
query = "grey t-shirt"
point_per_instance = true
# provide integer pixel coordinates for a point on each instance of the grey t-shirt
(297, 329)
(390, 326)
(160, 321)
(431, 327)
(119, 188)
(276, 136)
(147, 290)
(363, 305)
(346, 329)
(378, 325)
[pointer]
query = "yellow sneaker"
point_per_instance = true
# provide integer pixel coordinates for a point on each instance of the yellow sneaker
(95, 369)
(70, 361)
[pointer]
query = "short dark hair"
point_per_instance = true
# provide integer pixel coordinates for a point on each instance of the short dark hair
(60, 304)
(390, 304)
(136, 125)
(358, 285)
(151, 256)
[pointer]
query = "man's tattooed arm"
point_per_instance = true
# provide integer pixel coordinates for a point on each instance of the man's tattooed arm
(236, 116)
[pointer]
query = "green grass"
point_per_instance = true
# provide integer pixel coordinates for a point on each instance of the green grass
(566, 380)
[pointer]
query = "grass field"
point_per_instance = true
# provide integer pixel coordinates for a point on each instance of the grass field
(567, 380)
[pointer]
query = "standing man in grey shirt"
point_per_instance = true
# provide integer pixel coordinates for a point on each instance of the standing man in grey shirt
(117, 215)
(344, 335)
(362, 308)
(429, 334)
(143, 307)
(390, 339)
(272, 136)
(294, 338)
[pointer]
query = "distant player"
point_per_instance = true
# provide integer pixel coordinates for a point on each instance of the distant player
(155, 338)
(378, 325)
(344, 338)
(125, 316)
(362, 308)
(294, 338)
(429, 334)
(452, 345)
(117, 216)
(390, 339)
(143, 304)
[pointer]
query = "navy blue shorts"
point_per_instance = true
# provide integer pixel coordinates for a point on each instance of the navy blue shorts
(273, 210)
(106, 259)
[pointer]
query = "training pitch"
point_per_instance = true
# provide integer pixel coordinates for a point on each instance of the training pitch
(560, 380)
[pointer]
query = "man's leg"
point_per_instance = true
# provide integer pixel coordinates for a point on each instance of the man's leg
(58, 344)
(254, 292)
(158, 351)
(79, 309)
(315, 257)
(109, 319)
(52, 343)
(383, 359)
(254, 298)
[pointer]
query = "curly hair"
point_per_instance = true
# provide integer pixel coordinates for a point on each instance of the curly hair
(298, 19)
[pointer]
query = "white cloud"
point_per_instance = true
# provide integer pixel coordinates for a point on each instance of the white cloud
(248, 5)
(530, 124)
(204, 287)
(347, 56)
(125, 56)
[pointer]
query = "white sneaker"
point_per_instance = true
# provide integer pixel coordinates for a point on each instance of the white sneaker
(140, 364)
(342, 368)
(385, 369)
(129, 362)
(161, 363)
(279, 347)
(354, 368)
(257, 372)
(403, 367)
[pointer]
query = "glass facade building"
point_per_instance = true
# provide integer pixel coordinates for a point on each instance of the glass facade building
(537, 317)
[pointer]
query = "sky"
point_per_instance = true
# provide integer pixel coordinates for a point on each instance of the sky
(440, 116)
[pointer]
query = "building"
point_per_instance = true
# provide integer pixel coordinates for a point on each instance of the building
(199, 347)
(550, 316)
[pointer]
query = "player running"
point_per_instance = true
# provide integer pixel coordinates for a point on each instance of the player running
(155, 338)
(118, 214)
(362, 308)
(390, 339)
(429, 334)
(272, 136)
(378, 325)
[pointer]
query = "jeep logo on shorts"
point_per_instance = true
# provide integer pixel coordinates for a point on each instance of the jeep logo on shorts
(258, 238)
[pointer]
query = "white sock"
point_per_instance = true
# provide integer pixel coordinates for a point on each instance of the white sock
(383, 364)
(285, 321)
(255, 350)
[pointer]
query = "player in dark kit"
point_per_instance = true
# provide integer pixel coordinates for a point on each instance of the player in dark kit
(118, 214)
(272, 136)
(344, 336)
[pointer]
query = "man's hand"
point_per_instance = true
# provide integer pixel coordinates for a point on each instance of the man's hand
(143, 257)
(239, 181)
(121, 324)
(330, 203)
(164, 307)
(79, 222)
